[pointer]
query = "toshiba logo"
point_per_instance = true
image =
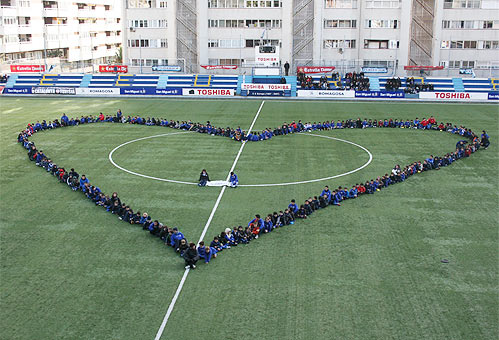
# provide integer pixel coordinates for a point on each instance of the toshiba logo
(452, 95)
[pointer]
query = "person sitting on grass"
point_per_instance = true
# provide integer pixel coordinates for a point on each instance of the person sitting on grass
(485, 140)
(182, 247)
(293, 207)
(191, 256)
(203, 178)
(301, 213)
(327, 192)
(175, 238)
(234, 181)
(206, 252)
(268, 226)
(257, 222)
(229, 237)
(242, 236)
(254, 230)
(217, 244)
(83, 180)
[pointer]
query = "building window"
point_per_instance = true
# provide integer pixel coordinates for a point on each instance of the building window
(255, 23)
(225, 43)
(488, 44)
(244, 4)
(468, 64)
(340, 23)
(459, 44)
(378, 63)
(378, 23)
(258, 42)
(161, 4)
(340, 3)
(10, 20)
(462, 4)
(382, 4)
(332, 43)
(161, 23)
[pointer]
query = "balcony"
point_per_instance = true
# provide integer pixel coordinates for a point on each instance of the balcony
(56, 12)
(8, 11)
(55, 28)
(25, 29)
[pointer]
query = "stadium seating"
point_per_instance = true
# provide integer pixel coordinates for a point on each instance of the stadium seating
(194, 80)
(24, 80)
(61, 80)
(162, 81)
(478, 85)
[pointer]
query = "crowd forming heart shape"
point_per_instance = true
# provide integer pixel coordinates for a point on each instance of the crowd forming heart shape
(258, 226)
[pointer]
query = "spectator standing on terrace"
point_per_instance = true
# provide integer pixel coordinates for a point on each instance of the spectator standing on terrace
(286, 68)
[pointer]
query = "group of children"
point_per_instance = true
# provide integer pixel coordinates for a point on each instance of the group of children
(257, 226)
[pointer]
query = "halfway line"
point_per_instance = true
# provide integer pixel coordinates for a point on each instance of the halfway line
(184, 277)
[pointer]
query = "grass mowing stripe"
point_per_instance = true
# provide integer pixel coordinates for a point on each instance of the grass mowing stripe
(184, 277)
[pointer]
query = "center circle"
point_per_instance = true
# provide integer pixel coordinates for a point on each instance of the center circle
(292, 157)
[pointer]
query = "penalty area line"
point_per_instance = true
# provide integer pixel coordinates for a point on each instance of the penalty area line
(207, 225)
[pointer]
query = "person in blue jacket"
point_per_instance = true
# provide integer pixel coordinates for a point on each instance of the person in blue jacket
(257, 221)
(485, 139)
(234, 181)
(206, 252)
(327, 192)
(293, 207)
(353, 192)
(83, 180)
(175, 238)
(64, 120)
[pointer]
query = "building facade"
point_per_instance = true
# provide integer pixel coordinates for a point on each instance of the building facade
(384, 35)
(63, 35)
(347, 34)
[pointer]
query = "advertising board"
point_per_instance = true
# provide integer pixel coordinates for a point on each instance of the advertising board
(266, 87)
(379, 94)
(113, 68)
(27, 68)
(315, 69)
(97, 91)
(54, 90)
(454, 96)
(325, 94)
(208, 92)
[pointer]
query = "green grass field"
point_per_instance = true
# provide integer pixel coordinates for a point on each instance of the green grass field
(370, 269)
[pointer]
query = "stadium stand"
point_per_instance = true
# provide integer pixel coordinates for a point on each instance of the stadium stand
(478, 85)
(162, 81)
(63, 80)
(27, 80)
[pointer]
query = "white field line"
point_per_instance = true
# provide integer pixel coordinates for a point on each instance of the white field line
(184, 277)
(141, 175)
(245, 185)
(324, 178)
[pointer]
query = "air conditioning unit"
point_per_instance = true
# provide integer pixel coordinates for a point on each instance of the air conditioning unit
(132, 29)
(340, 50)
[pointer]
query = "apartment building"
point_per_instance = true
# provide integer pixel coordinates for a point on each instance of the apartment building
(63, 35)
(347, 34)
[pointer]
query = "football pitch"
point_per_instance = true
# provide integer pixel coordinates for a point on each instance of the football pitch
(369, 269)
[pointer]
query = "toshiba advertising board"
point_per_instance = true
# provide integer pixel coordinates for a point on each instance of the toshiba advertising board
(208, 92)
(454, 96)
